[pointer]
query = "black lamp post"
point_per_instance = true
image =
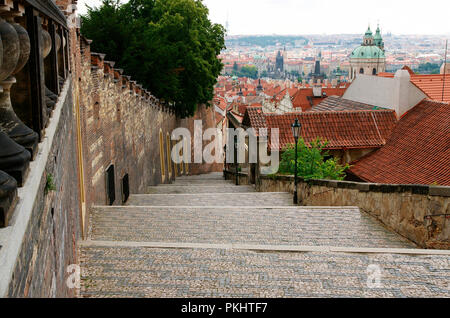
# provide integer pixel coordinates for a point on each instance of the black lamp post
(296, 127)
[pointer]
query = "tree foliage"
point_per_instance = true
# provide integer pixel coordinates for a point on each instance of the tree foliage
(170, 46)
(312, 162)
(249, 71)
(429, 68)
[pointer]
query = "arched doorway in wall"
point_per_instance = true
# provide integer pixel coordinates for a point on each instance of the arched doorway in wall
(361, 71)
(110, 185)
(169, 157)
(161, 156)
(374, 71)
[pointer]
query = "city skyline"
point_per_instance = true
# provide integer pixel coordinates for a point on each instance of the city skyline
(296, 17)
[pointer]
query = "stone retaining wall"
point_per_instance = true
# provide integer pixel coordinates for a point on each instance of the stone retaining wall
(420, 213)
(243, 177)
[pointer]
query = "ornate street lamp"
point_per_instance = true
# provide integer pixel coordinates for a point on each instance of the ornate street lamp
(296, 128)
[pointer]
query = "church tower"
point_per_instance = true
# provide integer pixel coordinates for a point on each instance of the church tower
(378, 39)
(279, 64)
(369, 58)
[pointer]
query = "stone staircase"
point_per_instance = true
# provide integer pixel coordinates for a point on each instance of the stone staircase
(206, 237)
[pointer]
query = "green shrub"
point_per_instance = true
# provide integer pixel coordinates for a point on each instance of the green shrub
(312, 162)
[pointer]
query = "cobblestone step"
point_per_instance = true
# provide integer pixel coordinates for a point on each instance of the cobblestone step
(195, 182)
(145, 272)
(211, 176)
(212, 199)
(263, 226)
(186, 189)
(171, 244)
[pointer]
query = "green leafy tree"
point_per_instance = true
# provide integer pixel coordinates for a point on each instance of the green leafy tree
(170, 46)
(429, 68)
(249, 71)
(312, 162)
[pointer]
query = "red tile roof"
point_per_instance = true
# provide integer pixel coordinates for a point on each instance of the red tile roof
(431, 84)
(255, 118)
(343, 130)
(221, 103)
(418, 151)
(335, 103)
(304, 97)
(218, 117)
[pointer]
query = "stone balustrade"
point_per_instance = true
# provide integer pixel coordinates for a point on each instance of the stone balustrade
(33, 68)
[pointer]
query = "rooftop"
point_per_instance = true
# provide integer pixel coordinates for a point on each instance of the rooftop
(336, 103)
(418, 152)
(343, 130)
(431, 85)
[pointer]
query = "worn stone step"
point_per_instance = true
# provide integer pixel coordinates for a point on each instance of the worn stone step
(212, 176)
(148, 272)
(257, 199)
(180, 189)
(307, 226)
(202, 182)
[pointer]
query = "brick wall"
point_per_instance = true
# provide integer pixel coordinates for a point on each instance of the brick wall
(106, 119)
(207, 116)
(49, 243)
(120, 125)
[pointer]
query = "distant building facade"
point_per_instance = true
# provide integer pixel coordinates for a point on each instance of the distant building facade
(369, 58)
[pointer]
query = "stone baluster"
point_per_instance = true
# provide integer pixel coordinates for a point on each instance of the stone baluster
(8, 198)
(8, 185)
(50, 97)
(16, 51)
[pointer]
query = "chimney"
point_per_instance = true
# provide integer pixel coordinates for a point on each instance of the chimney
(317, 90)
(445, 68)
(401, 92)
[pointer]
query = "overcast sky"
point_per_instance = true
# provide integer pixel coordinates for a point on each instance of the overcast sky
(326, 16)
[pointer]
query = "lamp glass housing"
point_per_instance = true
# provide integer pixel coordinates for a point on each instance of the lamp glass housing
(296, 127)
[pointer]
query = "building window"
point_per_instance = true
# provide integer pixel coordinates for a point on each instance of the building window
(374, 71)
(361, 71)
(110, 185)
(161, 155)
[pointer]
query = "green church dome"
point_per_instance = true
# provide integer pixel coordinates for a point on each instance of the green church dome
(368, 52)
